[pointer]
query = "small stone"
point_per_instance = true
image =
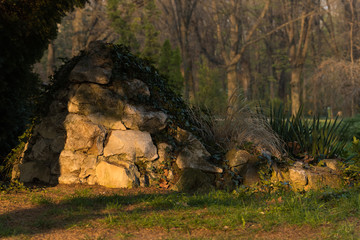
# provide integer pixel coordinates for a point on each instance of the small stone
(298, 178)
(332, 164)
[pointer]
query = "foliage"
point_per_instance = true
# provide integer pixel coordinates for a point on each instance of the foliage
(151, 45)
(15, 154)
(354, 127)
(308, 137)
(43, 101)
(121, 13)
(128, 66)
(136, 28)
(351, 168)
(13, 186)
(211, 93)
(170, 66)
(236, 129)
(25, 30)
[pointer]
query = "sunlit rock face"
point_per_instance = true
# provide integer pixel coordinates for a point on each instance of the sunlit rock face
(103, 128)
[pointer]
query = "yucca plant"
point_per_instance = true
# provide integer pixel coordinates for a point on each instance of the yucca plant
(314, 137)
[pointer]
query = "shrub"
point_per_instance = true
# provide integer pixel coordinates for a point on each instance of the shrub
(242, 127)
(303, 137)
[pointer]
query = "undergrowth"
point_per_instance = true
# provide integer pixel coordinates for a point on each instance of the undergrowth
(309, 139)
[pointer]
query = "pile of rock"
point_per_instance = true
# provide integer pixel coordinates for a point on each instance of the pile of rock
(298, 175)
(99, 130)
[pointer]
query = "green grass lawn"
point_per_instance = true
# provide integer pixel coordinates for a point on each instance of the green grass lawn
(245, 214)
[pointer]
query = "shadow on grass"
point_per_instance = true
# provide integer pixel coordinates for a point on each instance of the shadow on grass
(80, 209)
(75, 210)
(179, 210)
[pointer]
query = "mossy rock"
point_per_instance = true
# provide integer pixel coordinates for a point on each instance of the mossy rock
(193, 181)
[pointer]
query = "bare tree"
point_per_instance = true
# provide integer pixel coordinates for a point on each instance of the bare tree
(182, 14)
(298, 36)
(233, 37)
(50, 68)
(90, 24)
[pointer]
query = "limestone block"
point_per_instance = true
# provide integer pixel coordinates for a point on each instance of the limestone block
(30, 171)
(41, 151)
(113, 176)
(94, 67)
(333, 164)
(251, 176)
(51, 127)
(57, 145)
(136, 88)
(194, 155)
(320, 177)
(68, 178)
(238, 159)
(298, 178)
(163, 152)
(71, 162)
(108, 122)
(132, 145)
(87, 170)
(193, 180)
(83, 135)
(137, 118)
(91, 98)
(84, 72)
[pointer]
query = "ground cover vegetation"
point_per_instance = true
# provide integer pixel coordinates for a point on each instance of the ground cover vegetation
(74, 212)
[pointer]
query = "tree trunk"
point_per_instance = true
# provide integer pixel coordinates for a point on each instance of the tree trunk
(50, 68)
(232, 86)
(245, 78)
(282, 85)
(188, 78)
(295, 89)
(77, 39)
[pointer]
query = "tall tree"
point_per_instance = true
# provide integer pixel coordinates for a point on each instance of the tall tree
(182, 12)
(300, 16)
(233, 38)
(50, 68)
(25, 30)
(169, 65)
(151, 48)
(78, 32)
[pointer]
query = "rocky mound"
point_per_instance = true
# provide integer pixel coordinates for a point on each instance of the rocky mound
(111, 121)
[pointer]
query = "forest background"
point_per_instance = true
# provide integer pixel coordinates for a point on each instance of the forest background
(218, 52)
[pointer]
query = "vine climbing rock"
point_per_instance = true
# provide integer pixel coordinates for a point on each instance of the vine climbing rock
(110, 119)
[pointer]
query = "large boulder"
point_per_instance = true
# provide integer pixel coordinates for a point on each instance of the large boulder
(194, 155)
(138, 118)
(132, 145)
(94, 67)
(114, 176)
(83, 135)
(193, 180)
(90, 98)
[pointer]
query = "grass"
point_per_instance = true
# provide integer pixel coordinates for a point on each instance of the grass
(334, 213)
